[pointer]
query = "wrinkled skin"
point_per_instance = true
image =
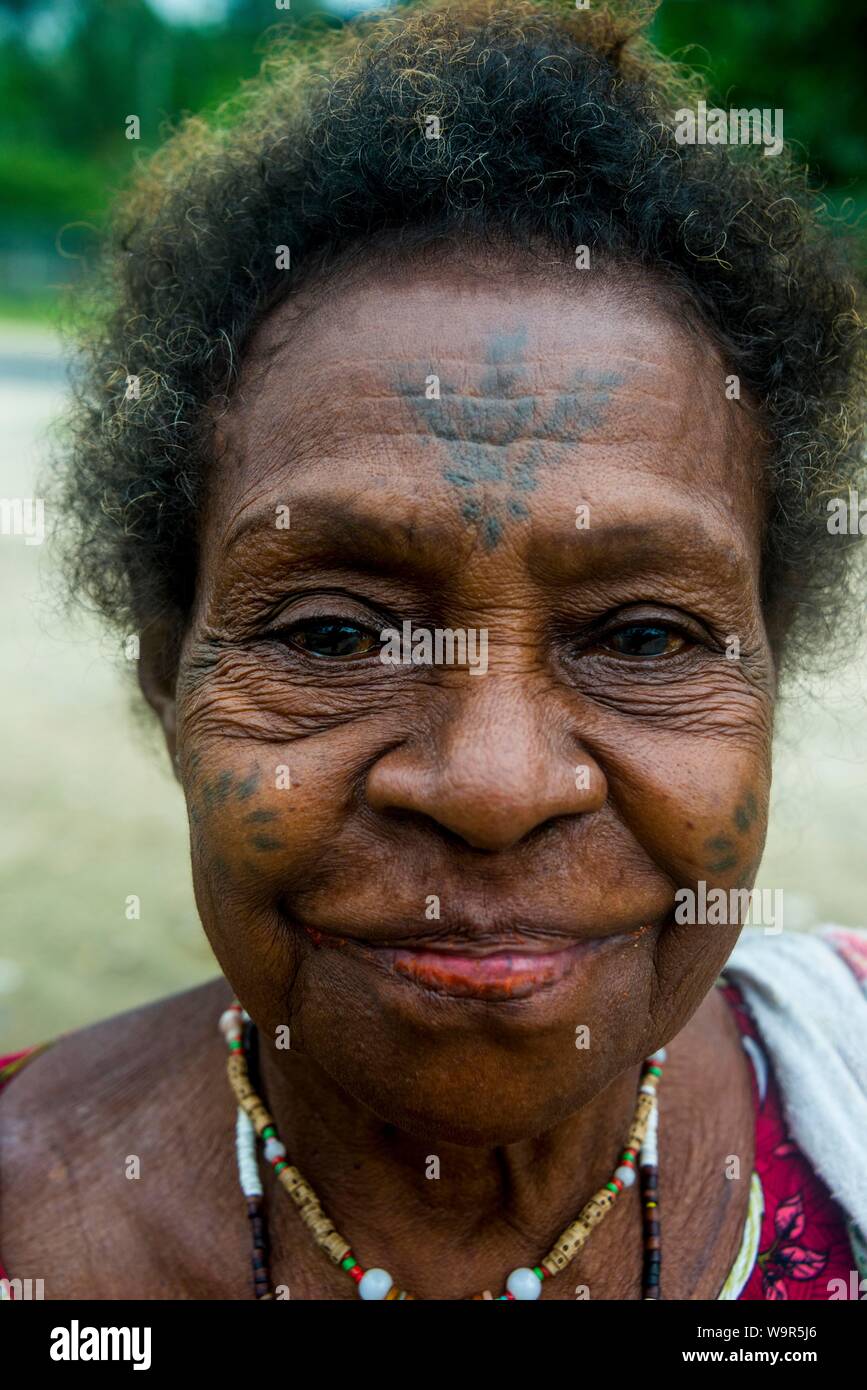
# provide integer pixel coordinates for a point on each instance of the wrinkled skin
(410, 781)
(407, 782)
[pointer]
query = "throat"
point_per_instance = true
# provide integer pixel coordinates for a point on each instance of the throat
(449, 1221)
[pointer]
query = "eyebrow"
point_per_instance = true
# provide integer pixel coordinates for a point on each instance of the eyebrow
(341, 531)
(350, 535)
(645, 546)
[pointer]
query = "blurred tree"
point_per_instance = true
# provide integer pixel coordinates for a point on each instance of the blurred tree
(73, 70)
(805, 57)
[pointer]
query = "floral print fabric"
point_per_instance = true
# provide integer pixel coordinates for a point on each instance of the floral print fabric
(804, 1244)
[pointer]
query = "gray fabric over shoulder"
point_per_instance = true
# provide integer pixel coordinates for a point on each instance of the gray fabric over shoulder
(811, 1012)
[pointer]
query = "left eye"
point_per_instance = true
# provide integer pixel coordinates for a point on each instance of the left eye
(643, 639)
(331, 638)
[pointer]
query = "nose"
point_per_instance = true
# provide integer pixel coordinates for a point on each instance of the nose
(502, 764)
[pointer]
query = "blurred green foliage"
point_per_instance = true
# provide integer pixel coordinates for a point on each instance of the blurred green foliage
(803, 56)
(73, 70)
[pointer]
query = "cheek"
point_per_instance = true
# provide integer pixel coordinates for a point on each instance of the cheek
(270, 813)
(248, 832)
(692, 784)
(255, 820)
(705, 816)
(704, 822)
(269, 763)
(694, 796)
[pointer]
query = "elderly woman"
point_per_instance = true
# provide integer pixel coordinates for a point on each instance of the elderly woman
(458, 438)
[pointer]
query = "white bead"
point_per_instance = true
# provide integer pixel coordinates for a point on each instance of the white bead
(375, 1284)
(274, 1149)
(245, 1150)
(625, 1174)
(230, 1025)
(649, 1149)
(659, 1056)
(524, 1284)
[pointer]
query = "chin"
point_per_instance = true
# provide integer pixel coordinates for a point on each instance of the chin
(469, 1071)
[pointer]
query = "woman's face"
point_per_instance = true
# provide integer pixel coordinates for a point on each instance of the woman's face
(437, 875)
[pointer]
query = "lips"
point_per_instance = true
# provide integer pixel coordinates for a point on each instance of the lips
(511, 967)
(505, 974)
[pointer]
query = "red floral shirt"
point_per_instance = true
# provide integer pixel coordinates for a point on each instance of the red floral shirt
(804, 1241)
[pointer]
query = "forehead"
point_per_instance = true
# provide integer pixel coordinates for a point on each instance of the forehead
(495, 402)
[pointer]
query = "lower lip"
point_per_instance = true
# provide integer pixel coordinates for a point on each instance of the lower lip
(503, 975)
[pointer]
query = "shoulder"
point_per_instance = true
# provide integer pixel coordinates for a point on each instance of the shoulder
(95, 1135)
(813, 972)
(91, 1078)
(806, 993)
(850, 944)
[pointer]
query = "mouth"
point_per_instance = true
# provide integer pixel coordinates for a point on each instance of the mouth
(503, 974)
(494, 971)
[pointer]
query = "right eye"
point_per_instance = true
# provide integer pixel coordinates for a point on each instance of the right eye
(643, 640)
(333, 639)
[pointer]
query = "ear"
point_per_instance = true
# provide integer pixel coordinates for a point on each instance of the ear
(159, 649)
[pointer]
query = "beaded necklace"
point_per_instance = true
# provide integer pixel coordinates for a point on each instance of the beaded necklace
(254, 1122)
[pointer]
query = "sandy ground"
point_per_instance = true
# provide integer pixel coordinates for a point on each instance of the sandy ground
(92, 815)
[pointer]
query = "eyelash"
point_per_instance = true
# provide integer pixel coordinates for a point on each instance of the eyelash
(328, 620)
(594, 641)
(687, 638)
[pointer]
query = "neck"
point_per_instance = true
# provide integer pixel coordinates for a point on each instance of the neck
(442, 1218)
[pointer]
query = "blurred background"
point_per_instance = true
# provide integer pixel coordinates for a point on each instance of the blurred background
(91, 812)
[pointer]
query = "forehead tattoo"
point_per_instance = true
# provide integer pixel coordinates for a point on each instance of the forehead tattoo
(497, 440)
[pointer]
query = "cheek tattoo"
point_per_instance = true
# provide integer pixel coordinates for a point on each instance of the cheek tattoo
(723, 847)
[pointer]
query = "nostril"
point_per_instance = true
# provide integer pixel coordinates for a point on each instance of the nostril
(488, 790)
(419, 822)
(484, 837)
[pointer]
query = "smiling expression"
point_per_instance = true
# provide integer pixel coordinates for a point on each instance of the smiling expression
(436, 880)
